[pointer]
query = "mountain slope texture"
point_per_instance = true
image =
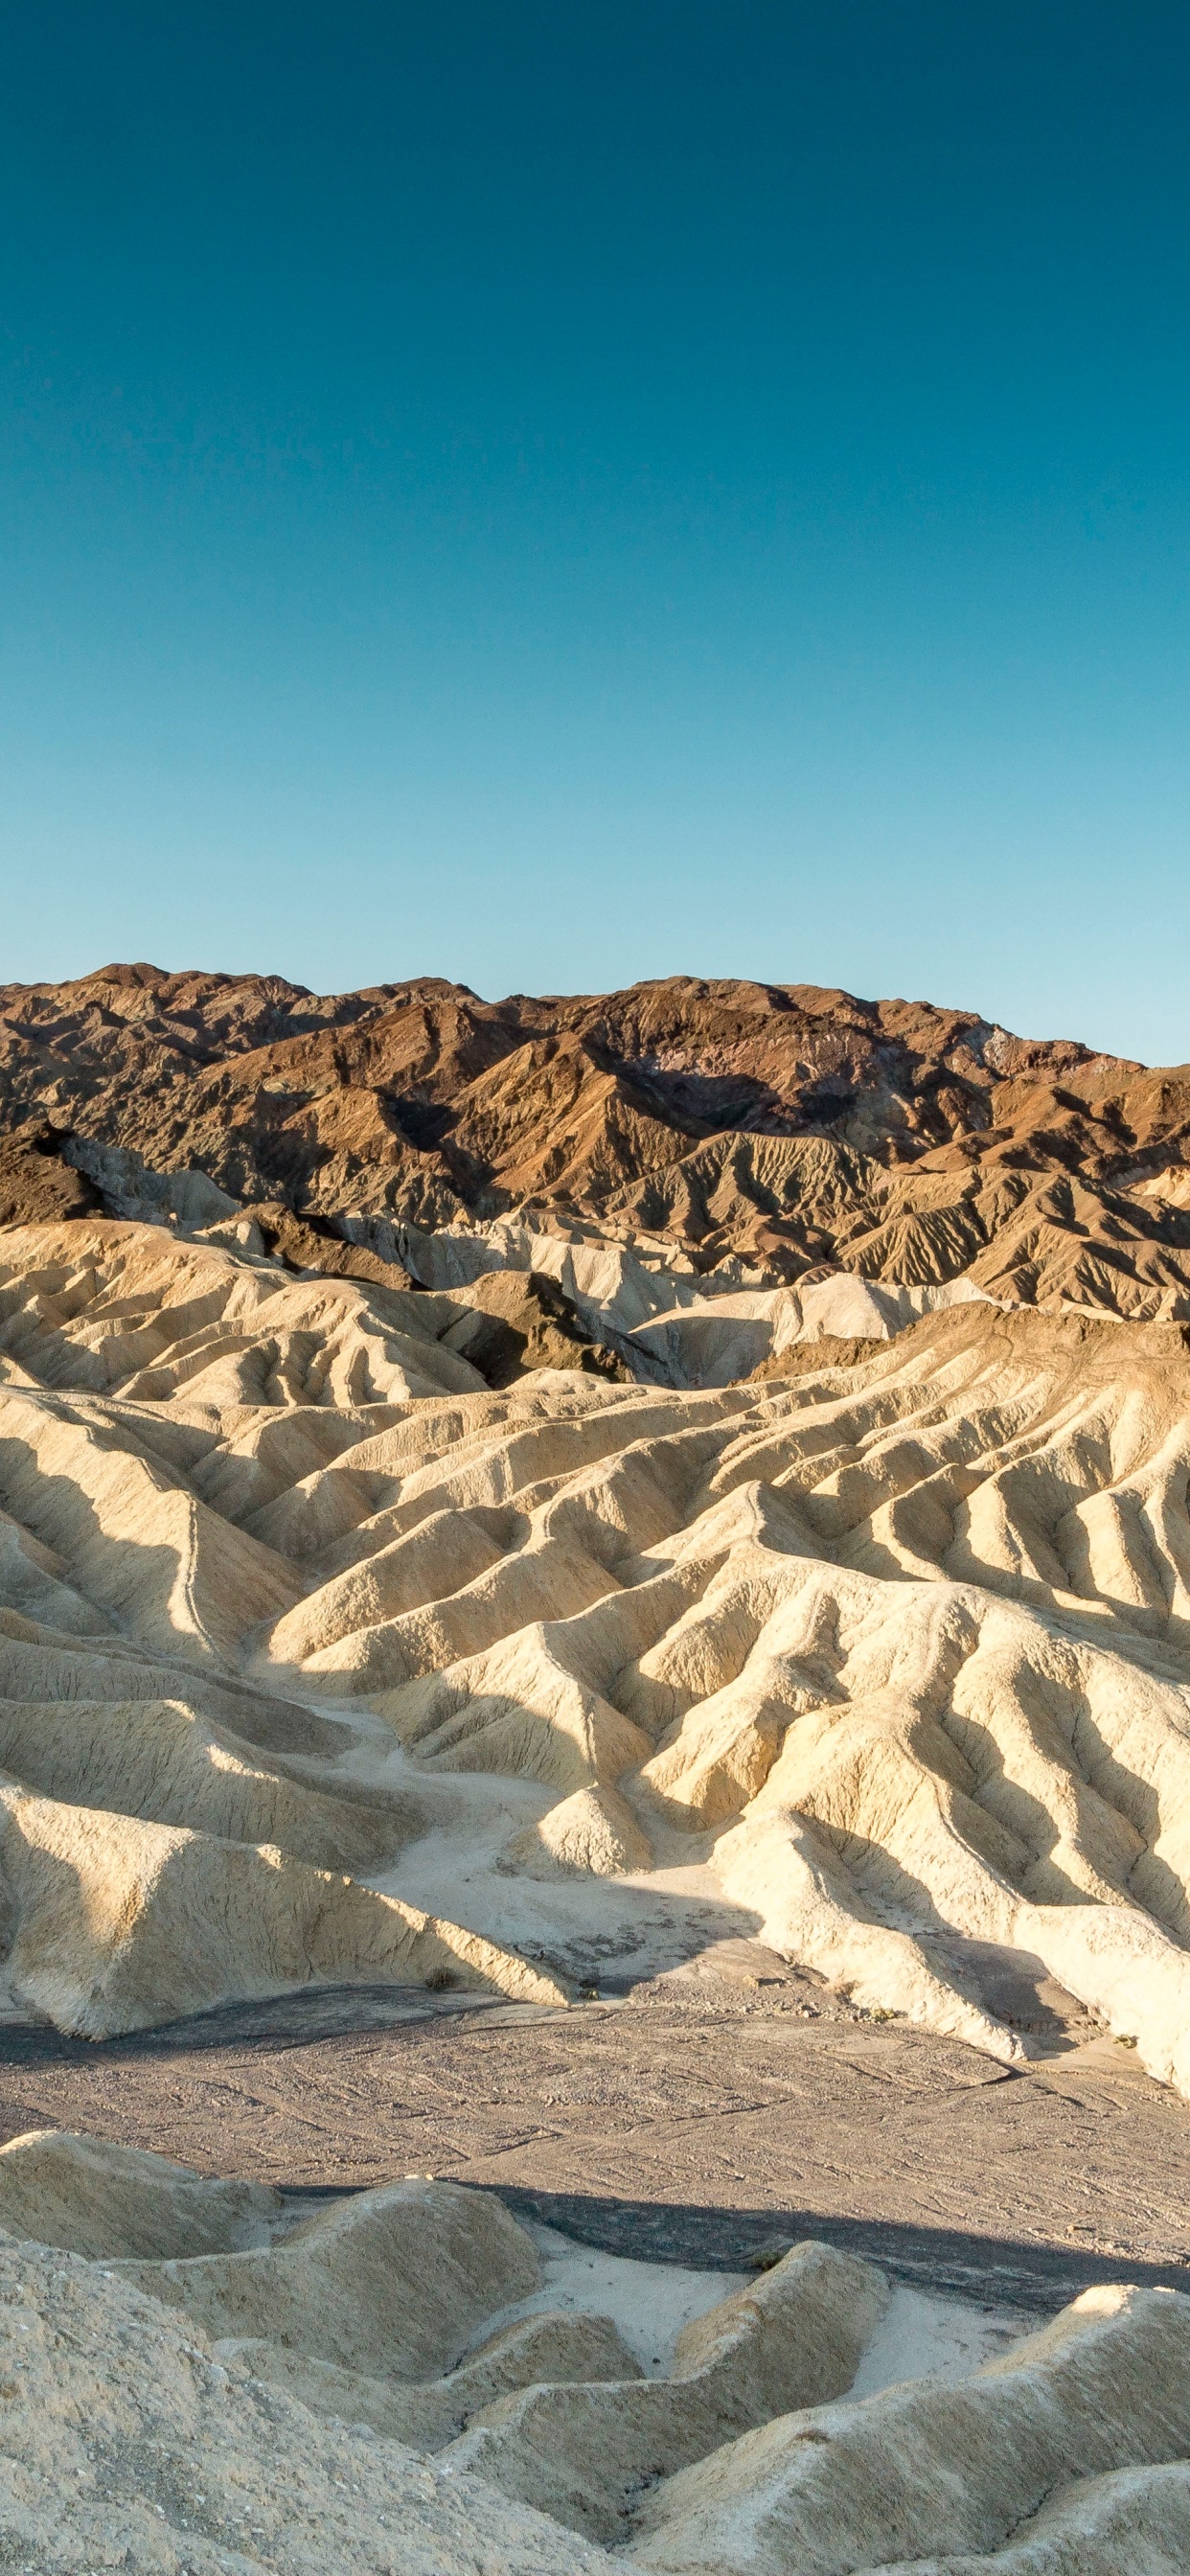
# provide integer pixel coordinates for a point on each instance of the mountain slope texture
(784, 1125)
(210, 2387)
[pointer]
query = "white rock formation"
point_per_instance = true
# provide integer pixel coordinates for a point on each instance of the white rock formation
(888, 1664)
(127, 2443)
(585, 2451)
(952, 2477)
(251, 2409)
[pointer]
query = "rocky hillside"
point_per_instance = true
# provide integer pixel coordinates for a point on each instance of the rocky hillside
(791, 1125)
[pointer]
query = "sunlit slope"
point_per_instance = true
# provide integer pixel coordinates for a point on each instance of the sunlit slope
(898, 1654)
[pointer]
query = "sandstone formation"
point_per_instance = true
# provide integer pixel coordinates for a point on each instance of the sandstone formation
(786, 1125)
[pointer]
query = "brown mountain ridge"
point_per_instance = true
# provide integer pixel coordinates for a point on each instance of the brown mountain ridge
(791, 1125)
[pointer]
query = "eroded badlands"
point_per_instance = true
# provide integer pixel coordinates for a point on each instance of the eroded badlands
(774, 1127)
(320, 1659)
(326, 1661)
(198, 2377)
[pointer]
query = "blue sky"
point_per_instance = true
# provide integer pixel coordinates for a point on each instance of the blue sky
(548, 494)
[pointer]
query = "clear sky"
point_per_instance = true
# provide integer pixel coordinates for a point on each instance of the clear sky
(549, 493)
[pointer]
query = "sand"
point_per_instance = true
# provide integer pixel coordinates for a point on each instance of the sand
(649, 2303)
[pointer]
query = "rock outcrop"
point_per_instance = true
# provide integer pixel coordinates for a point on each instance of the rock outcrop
(1030, 2465)
(787, 1125)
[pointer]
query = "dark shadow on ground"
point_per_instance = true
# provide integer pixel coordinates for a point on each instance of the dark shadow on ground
(985, 2268)
(274, 2021)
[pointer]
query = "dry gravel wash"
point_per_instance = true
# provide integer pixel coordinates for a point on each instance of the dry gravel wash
(701, 2131)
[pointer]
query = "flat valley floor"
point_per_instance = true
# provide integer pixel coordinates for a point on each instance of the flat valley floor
(698, 2121)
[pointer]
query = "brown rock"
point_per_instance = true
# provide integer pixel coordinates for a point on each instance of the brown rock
(789, 1124)
(36, 1186)
(520, 1320)
(309, 1243)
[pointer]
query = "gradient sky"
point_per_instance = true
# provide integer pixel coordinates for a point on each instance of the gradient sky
(547, 494)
